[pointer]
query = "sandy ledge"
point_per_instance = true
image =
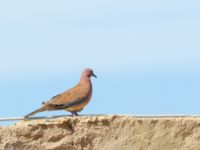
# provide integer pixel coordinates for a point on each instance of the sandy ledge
(107, 132)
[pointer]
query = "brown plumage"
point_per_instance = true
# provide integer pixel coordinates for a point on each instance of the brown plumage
(73, 100)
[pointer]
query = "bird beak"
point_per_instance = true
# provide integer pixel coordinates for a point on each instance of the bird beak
(94, 75)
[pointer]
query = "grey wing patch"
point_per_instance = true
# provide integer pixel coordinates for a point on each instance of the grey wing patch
(70, 104)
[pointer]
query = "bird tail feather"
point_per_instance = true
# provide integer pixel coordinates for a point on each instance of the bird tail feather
(34, 112)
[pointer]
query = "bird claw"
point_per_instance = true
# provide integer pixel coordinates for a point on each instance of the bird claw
(74, 114)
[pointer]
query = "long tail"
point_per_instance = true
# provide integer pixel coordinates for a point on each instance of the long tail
(34, 112)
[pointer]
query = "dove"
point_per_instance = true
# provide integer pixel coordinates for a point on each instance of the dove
(72, 100)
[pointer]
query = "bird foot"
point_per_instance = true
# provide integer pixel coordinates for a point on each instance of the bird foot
(74, 114)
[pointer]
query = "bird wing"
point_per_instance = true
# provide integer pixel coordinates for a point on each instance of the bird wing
(69, 98)
(55, 96)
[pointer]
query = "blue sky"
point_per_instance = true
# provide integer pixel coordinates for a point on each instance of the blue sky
(145, 54)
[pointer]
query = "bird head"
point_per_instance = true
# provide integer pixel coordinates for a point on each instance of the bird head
(87, 73)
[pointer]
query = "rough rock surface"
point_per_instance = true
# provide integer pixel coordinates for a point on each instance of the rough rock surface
(103, 133)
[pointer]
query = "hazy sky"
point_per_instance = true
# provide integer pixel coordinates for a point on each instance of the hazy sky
(146, 54)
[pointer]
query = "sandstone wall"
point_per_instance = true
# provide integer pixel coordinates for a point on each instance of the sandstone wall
(103, 133)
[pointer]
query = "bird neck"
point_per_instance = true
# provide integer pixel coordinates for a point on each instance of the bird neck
(85, 80)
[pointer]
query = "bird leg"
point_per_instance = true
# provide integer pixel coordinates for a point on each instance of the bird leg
(74, 114)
